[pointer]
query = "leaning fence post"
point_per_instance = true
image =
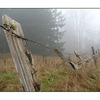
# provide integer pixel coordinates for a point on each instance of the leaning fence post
(21, 55)
(77, 55)
(98, 53)
(94, 56)
(71, 65)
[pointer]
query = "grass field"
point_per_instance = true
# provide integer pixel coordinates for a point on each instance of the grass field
(54, 76)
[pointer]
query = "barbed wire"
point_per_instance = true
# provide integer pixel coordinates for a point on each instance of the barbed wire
(23, 38)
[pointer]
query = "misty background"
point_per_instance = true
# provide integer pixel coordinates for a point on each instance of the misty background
(65, 29)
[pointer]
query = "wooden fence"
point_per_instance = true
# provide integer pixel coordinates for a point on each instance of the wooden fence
(24, 61)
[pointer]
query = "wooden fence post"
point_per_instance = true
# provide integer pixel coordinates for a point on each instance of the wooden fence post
(71, 65)
(22, 56)
(77, 55)
(94, 56)
(98, 53)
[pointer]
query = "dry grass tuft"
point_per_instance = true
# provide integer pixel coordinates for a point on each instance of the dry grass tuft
(2, 85)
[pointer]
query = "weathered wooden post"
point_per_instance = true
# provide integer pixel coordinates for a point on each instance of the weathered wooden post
(21, 55)
(71, 65)
(99, 52)
(82, 61)
(77, 55)
(94, 56)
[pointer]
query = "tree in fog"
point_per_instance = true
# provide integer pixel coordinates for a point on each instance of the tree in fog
(76, 27)
(41, 25)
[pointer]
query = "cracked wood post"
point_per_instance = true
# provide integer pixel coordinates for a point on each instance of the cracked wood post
(71, 65)
(22, 57)
(94, 56)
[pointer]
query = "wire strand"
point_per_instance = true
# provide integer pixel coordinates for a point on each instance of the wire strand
(23, 38)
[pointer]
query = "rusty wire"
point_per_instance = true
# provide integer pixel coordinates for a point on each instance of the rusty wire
(23, 38)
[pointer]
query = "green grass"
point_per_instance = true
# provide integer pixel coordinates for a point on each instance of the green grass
(53, 77)
(9, 80)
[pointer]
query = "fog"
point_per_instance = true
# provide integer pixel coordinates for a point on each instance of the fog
(81, 29)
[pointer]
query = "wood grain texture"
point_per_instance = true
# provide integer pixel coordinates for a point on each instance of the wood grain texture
(22, 57)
